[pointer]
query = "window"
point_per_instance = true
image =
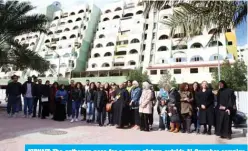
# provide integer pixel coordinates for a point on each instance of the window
(147, 16)
(153, 72)
(177, 71)
(153, 35)
(228, 30)
(154, 25)
(162, 71)
(212, 69)
(178, 59)
(216, 57)
(146, 26)
(194, 70)
(144, 47)
(142, 58)
(145, 36)
(229, 43)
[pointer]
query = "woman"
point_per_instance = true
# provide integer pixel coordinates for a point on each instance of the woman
(53, 91)
(145, 107)
(89, 98)
(195, 115)
(129, 86)
(77, 97)
(108, 91)
(61, 100)
(45, 99)
(206, 108)
(226, 105)
(113, 93)
(186, 107)
(134, 104)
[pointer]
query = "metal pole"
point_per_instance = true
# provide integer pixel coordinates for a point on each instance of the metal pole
(218, 59)
(58, 69)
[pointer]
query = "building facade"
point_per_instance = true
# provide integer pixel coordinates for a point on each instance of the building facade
(87, 43)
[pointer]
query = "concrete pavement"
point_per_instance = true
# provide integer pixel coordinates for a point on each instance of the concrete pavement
(16, 132)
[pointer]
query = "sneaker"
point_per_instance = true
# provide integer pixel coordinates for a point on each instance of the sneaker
(159, 129)
(14, 115)
(25, 116)
(76, 120)
(72, 120)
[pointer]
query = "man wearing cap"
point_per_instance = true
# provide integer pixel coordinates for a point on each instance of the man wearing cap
(13, 94)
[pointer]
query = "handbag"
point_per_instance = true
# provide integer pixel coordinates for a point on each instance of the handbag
(108, 107)
(84, 105)
(44, 99)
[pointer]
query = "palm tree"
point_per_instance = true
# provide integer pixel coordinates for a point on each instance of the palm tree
(193, 16)
(15, 20)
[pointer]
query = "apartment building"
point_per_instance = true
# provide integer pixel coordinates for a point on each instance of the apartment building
(243, 53)
(68, 41)
(86, 43)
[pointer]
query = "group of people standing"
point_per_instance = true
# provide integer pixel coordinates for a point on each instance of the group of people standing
(128, 104)
(198, 105)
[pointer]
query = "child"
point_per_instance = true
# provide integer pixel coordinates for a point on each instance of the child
(162, 112)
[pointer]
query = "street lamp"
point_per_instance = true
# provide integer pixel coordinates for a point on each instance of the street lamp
(59, 61)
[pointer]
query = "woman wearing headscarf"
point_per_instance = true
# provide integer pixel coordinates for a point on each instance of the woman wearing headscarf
(145, 106)
(206, 108)
(45, 99)
(226, 105)
(134, 104)
(53, 90)
(61, 100)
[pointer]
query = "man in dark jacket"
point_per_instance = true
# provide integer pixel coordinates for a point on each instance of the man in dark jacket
(13, 93)
(101, 101)
(69, 103)
(28, 94)
(37, 96)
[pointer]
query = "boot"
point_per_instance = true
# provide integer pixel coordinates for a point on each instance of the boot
(177, 128)
(172, 128)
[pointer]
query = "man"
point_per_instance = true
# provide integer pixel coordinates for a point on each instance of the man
(101, 101)
(69, 103)
(13, 94)
(121, 110)
(37, 96)
(98, 84)
(226, 105)
(28, 93)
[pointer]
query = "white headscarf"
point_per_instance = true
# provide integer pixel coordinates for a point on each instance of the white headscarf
(146, 85)
(135, 83)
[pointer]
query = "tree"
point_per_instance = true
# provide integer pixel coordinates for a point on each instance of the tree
(166, 79)
(234, 75)
(138, 75)
(192, 17)
(15, 21)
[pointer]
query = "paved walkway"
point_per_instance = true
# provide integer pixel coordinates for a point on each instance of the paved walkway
(16, 132)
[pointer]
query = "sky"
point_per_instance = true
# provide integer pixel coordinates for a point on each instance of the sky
(241, 31)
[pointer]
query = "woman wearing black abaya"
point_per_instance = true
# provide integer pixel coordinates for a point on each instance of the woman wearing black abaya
(206, 108)
(45, 99)
(61, 100)
(121, 107)
(226, 103)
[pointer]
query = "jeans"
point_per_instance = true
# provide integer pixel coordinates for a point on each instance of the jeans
(101, 114)
(90, 110)
(37, 100)
(75, 108)
(12, 104)
(28, 104)
(164, 118)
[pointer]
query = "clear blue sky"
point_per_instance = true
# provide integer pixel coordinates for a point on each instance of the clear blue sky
(241, 34)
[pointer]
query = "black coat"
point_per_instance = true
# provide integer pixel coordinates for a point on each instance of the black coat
(45, 91)
(14, 89)
(24, 88)
(37, 90)
(121, 107)
(101, 99)
(206, 116)
(226, 98)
